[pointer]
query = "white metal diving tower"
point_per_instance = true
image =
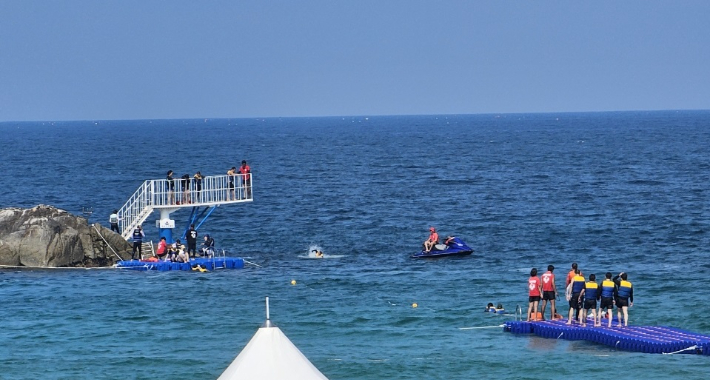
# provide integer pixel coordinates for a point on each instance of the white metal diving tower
(158, 194)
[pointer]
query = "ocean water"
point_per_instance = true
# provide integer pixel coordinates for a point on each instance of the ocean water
(612, 191)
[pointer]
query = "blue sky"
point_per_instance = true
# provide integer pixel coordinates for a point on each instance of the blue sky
(149, 59)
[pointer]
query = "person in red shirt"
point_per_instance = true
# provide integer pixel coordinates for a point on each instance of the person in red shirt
(245, 171)
(549, 291)
(534, 292)
(432, 240)
(162, 249)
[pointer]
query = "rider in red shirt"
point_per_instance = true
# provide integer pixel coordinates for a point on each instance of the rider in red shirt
(432, 241)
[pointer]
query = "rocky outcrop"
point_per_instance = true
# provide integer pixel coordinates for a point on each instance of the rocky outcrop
(45, 236)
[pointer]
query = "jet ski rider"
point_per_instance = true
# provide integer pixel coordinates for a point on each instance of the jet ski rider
(432, 240)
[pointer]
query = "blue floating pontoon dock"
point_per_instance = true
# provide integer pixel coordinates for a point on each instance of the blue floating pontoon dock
(162, 266)
(648, 339)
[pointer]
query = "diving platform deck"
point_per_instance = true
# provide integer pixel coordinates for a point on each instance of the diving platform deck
(168, 196)
(162, 266)
(648, 339)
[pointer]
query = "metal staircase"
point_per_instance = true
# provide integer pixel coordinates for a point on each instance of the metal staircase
(159, 194)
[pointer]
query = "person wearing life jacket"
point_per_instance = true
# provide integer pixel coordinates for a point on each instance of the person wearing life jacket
(549, 292)
(113, 219)
(570, 274)
(495, 309)
(162, 250)
(534, 293)
(568, 288)
(174, 249)
(589, 295)
(625, 297)
(432, 240)
(607, 298)
(137, 236)
(577, 285)
(245, 170)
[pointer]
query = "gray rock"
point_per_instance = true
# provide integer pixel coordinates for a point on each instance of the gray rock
(45, 236)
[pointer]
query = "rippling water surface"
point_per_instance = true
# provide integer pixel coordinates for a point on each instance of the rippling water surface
(611, 191)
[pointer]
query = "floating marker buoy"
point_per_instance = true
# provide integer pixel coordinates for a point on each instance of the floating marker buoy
(293, 282)
(414, 305)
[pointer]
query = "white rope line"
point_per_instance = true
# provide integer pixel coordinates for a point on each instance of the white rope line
(481, 327)
(107, 244)
(249, 262)
(679, 351)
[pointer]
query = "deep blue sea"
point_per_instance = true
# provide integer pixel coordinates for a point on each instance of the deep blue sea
(624, 191)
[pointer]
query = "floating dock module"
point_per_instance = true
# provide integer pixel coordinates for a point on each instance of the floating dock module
(209, 264)
(648, 339)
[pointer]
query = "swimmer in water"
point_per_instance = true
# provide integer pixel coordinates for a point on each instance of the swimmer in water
(318, 253)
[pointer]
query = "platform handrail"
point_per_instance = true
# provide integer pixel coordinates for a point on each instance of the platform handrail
(159, 194)
(518, 313)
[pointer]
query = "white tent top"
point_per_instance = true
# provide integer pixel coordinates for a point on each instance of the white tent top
(270, 355)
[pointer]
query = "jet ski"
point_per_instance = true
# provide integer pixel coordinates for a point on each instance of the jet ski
(453, 246)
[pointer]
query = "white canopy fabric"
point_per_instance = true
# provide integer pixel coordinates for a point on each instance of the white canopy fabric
(270, 355)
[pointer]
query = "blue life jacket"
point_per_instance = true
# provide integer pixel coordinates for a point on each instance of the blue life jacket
(624, 289)
(137, 236)
(608, 289)
(590, 290)
(577, 284)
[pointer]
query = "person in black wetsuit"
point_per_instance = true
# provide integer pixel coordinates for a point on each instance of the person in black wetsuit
(191, 237)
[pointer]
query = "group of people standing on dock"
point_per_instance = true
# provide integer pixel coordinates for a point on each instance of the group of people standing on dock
(582, 295)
